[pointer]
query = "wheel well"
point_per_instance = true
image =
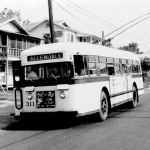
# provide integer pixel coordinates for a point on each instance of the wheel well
(108, 97)
(135, 85)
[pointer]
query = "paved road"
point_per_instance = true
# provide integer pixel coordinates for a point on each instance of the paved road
(125, 129)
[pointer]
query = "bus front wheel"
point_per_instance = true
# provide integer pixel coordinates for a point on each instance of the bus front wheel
(103, 112)
(134, 101)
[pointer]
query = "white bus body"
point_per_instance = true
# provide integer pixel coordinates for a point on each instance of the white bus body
(81, 94)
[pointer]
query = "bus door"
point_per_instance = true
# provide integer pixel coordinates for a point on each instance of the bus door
(129, 85)
(118, 87)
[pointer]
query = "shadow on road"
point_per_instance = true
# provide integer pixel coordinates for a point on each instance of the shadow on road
(49, 123)
(60, 122)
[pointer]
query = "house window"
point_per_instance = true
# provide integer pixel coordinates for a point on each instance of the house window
(19, 43)
(13, 42)
(47, 25)
(24, 43)
(28, 44)
(31, 43)
(68, 37)
(72, 37)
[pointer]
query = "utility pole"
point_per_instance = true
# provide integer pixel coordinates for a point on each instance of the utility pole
(51, 25)
(102, 37)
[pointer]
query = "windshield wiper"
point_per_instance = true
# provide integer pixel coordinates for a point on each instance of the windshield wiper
(52, 75)
(29, 76)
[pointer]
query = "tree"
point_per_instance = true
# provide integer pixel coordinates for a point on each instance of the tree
(132, 47)
(145, 64)
(47, 39)
(25, 22)
(9, 13)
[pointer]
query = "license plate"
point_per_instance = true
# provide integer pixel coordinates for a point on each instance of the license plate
(45, 99)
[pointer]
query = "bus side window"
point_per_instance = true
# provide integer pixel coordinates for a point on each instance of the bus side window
(86, 65)
(103, 66)
(79, 65)
(116, 66)
(123, 66)
(130, 66)
(135, 69)
(110, 66)
(92, 65)
(97, 66)
(111, 70)
(138, 67)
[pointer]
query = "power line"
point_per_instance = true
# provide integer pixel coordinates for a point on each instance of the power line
(91, 14)
(31, 14)
(75, 16)
(144, 43)
(85, 13)
(130, 27)
(135, 36)
(126, 24)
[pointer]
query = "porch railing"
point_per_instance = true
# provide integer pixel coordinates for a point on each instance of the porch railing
(14, 52)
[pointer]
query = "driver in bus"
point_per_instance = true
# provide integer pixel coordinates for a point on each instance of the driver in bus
(31, 74)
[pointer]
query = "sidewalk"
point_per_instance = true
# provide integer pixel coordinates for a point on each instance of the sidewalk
(8, 95)
(146, 89)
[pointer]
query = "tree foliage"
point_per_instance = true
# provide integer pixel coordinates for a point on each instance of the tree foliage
(107, 43)
(145, 64)
(47, 39)
(132, 47)
(9, 13)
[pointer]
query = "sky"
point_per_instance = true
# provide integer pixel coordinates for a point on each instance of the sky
(93, 17)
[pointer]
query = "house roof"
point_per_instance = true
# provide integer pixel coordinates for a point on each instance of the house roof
(80, 34)
(23, 35)
(4, 21)
(60, 23)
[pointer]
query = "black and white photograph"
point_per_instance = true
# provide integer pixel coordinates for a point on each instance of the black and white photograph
(74, 74)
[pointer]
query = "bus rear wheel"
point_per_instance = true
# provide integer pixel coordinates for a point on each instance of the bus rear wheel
(134, 101)
(103, 112)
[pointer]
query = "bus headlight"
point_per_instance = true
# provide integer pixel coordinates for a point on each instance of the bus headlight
(29, 96)
(63, 94)
(18, 99)
(17, 78)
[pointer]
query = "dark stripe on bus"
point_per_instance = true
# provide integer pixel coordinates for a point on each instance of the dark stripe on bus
(119, 94)
(89, 80)
(122, 93)
(80, 80)
(136, 75)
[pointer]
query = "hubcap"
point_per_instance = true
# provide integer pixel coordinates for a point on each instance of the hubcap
(104, 105)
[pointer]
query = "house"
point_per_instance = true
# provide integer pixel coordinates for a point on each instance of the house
(62, 32)
(13, 39)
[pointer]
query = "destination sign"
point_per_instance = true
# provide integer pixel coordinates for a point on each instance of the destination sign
(45, 57)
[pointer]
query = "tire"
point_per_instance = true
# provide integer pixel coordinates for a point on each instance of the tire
(134, 101)
(103, 112)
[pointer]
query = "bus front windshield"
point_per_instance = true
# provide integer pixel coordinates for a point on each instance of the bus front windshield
(54, 71)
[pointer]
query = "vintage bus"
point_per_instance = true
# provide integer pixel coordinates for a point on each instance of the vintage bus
(76, 78)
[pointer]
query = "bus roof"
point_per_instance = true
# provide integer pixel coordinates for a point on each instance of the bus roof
(80, 49)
